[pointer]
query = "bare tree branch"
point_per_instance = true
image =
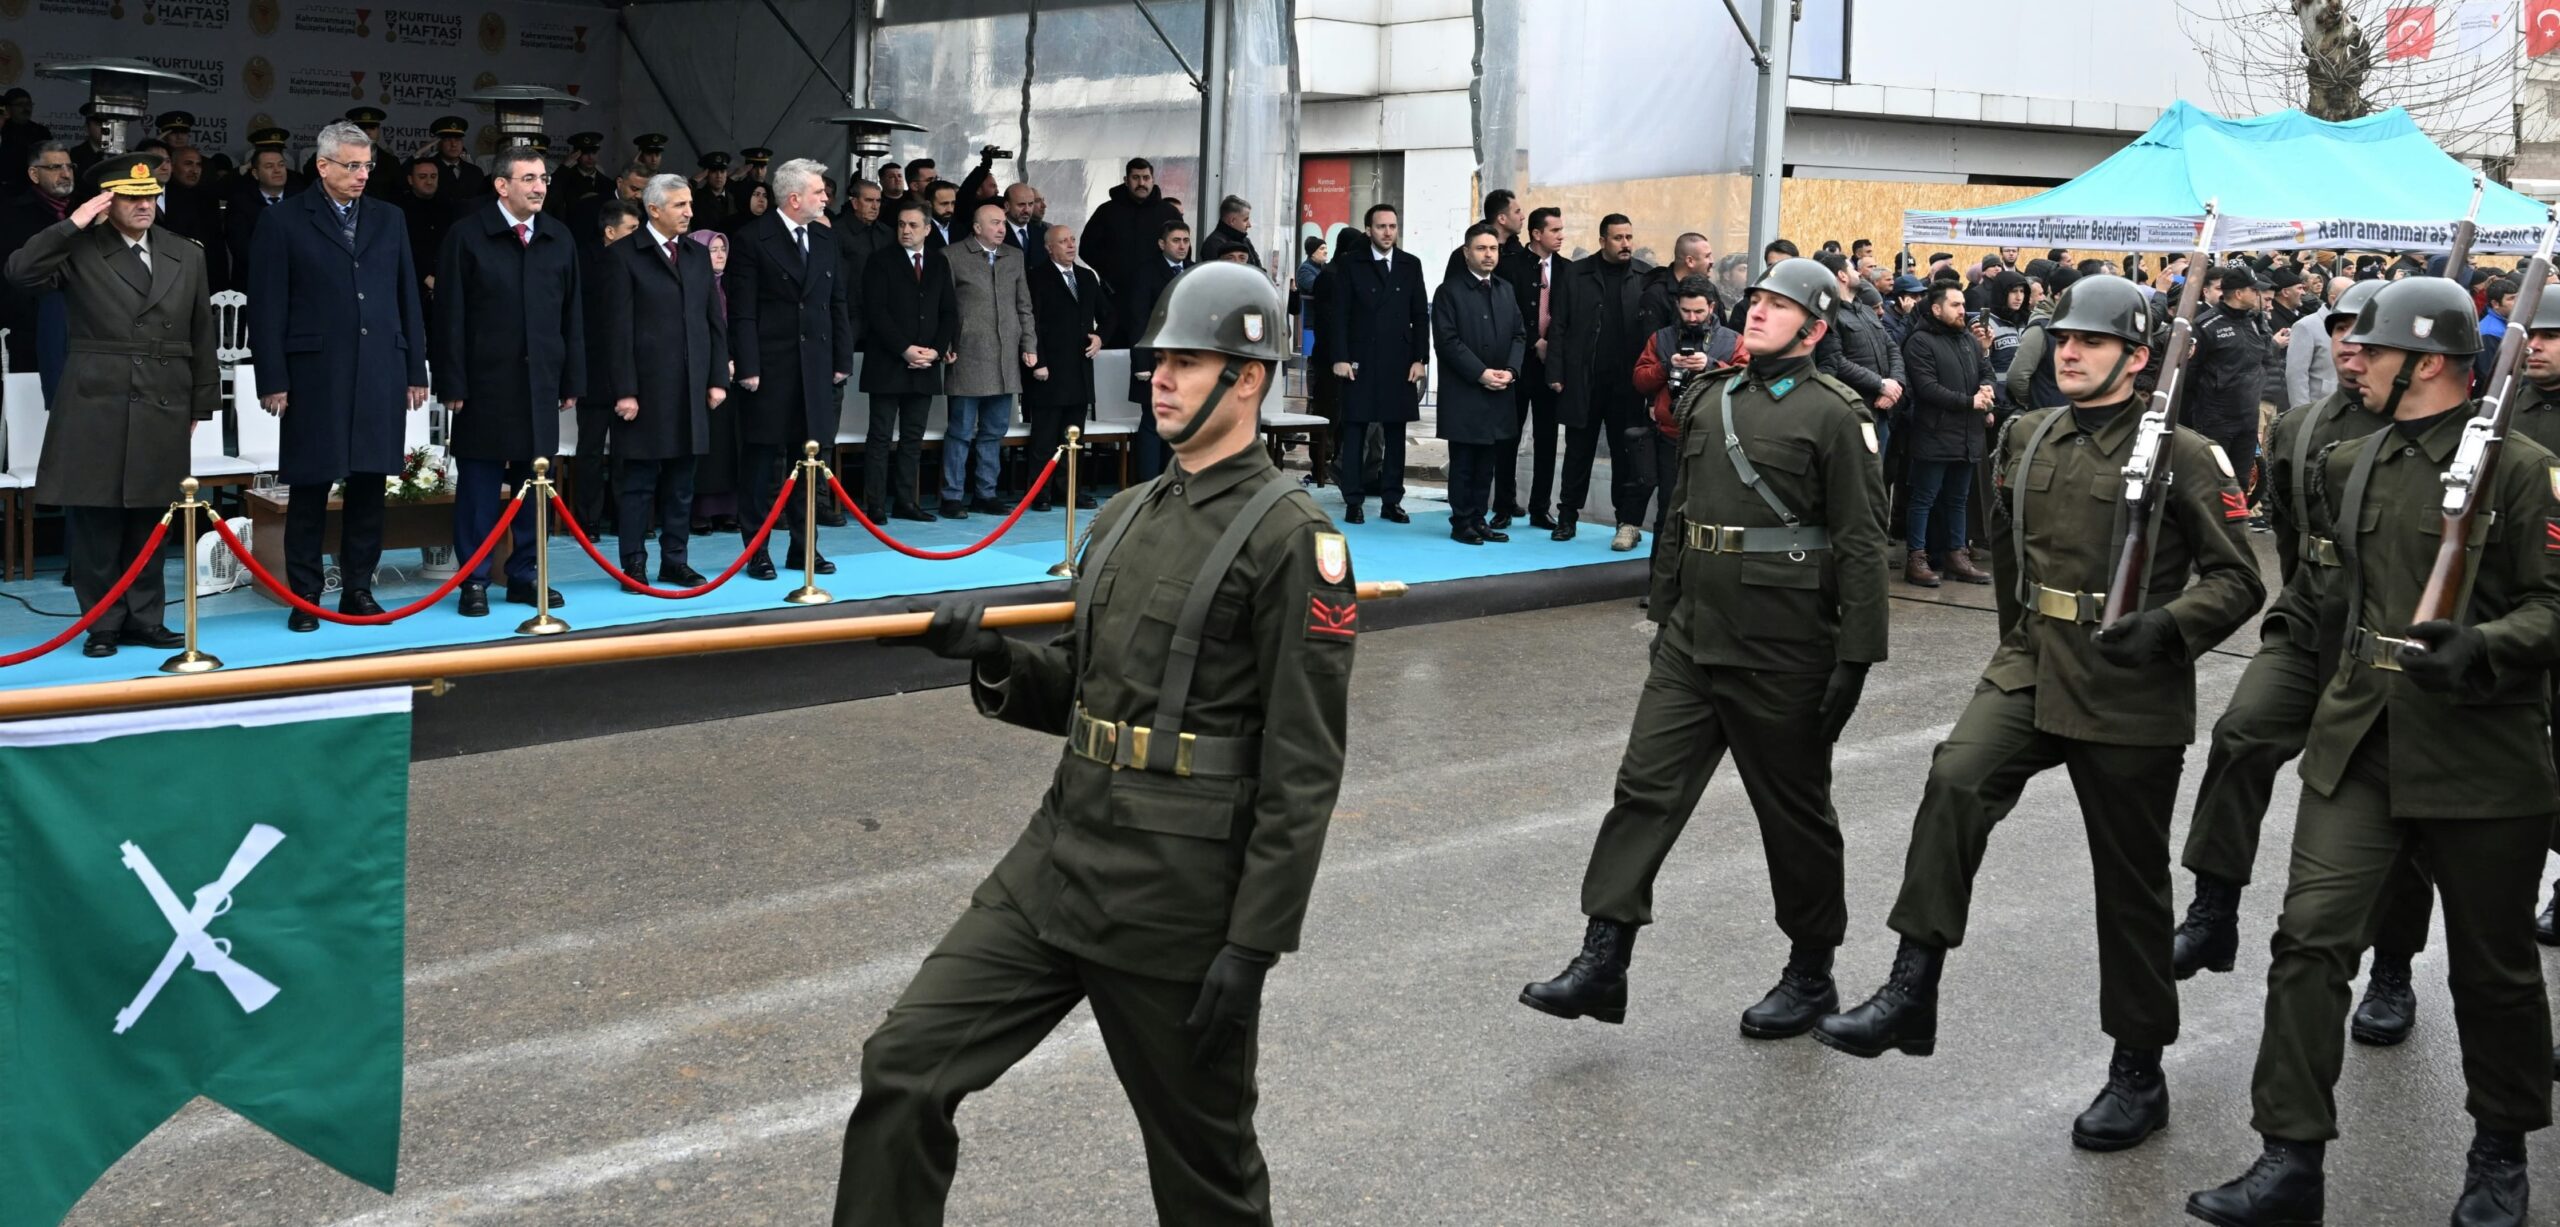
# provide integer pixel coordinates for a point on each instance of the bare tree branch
(2328, 57)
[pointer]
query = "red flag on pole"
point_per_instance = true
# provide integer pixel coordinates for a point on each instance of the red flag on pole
(2541, 26)
(2413, 33)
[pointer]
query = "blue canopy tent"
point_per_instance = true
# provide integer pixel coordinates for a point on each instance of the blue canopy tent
(2280, 180)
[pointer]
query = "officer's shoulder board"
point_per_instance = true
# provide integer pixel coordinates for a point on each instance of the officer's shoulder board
(1842, 390)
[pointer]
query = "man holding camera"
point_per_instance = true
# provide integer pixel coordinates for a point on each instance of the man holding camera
(1693, 344)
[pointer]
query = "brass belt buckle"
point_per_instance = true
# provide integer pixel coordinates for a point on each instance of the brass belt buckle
(1702, 537)
(1139, 737)
(1729, 540)
(2386, 654)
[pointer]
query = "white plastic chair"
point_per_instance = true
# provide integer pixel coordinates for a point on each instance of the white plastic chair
(22, 409)
(261, 432)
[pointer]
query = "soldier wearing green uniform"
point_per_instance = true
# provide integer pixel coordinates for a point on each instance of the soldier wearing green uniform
(2113, 707)
(2538, 418)
(1769, 588)
(1202, 691)
(2428, 740)
(2270, 713)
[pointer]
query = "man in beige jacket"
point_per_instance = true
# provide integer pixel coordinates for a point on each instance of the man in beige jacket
(998, 342)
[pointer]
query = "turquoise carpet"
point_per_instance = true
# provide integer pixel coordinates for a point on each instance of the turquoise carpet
(245, 629)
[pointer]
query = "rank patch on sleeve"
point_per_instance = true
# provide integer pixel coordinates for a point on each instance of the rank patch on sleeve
(2223, 459)
(1333, 557)
(1326, 620)
(2551, 535)
(2235, 505)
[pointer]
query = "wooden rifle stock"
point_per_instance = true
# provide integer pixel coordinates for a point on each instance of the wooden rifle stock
(2475, 459)
(2457, 259)
(2147, 471)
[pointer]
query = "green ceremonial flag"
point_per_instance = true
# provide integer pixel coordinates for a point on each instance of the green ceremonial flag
(201, 901)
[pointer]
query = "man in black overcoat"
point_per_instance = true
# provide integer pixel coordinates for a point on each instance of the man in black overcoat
(1475, 318)
(792, 341)
(910, 322)
(1140, 284)
(668, 373)
(1594, 335)
(1379, 327)
(1074, 313)
(510, 357)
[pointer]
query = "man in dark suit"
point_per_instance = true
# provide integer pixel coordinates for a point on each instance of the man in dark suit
(141, 374)
(429, 217)
(792, 342)
(585, 218)
(510, 358)
(669, 371)
(1541, 264)
(910, 322)
(1144, 282)
(861, 233)
(1475, 317)
(51, 184)
(265, 184)
(342, 353)
(461, 184)
(1593, 338)
(1023, 228)
(591, 483)
(1074, 313)
(1380, 337)
(1519, 268)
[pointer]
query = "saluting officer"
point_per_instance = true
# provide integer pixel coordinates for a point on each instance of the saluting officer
(1769, 589)
(2270, 713)
(1202, 691)
(2114, 708)
(2428, 739)
(579, 178)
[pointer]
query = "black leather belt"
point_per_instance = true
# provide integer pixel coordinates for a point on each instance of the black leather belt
(1120, 744)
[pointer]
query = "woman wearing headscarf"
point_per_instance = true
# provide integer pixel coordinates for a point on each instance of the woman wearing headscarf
(715, 479)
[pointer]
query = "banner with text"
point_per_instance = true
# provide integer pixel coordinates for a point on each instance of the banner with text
(2230, 233)
(298, 65)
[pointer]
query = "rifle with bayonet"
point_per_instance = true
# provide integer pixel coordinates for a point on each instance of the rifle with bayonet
(2145, 472)
(2476, 457)
(2457, 259)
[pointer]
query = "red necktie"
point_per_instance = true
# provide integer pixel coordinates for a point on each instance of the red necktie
(524, 235)
(671, 251)
(919, 259)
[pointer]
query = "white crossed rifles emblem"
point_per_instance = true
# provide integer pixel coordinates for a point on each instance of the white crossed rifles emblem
(212, 955)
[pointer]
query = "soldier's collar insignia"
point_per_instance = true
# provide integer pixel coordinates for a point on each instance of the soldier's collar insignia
(1779, 390)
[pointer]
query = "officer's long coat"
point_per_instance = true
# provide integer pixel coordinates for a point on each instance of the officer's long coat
(140, 369)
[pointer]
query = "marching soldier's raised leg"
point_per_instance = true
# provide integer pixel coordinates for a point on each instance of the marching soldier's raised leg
(2114, 706)
(1769, 591)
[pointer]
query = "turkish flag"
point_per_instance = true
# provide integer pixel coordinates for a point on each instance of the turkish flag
(2541, 26)
(2413, 33)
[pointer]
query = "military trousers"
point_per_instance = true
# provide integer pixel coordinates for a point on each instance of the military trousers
(1687, 717)
(2488, 870)
(2261, 730)
(987, 996)
(2126, 794)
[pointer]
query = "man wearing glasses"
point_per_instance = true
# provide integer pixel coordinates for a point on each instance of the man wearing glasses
(342, 353)
(510, 358)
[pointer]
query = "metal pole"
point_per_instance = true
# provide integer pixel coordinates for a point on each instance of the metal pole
(1769, 138)
(811, 473)
(1066, 568)
(541, 623)
(190, 660)
(1217, 42)
(863, 31)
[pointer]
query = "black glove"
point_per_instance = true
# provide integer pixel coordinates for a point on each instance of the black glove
(1230, 1000)
(955, 634)
(2140, 639)
(1840, 697)
(2453, 653)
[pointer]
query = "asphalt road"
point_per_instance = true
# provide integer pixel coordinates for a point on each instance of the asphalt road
(642, 968)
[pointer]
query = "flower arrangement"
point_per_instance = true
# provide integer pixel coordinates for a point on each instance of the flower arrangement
(426, 473)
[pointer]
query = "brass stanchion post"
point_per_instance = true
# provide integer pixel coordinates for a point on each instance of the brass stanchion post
(809, 593)
(190, 660)
(539, 491)
(1066, 568)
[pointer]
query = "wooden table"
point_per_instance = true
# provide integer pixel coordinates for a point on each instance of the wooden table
(405, 525)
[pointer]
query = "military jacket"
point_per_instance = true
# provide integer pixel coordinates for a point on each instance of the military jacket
(2305, 432)
(2484, 754)
(1808, 437)
(2068, 494)
(1152, 872)
(2537, 415)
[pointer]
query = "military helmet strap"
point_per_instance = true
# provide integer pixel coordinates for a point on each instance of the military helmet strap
(1227, 377)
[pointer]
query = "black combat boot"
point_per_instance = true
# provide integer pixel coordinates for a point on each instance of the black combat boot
(1903, 1014)
(2134, 1105)
(2390, 1007)
(2546, 927)
(1595, 982)
(2209, 938)
(1804, 994)
(2282, 1189)
(2493, 1184)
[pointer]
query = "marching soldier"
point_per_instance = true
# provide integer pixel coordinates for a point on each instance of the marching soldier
(1769, 590)
(1202, 691)
(2115, 707)
(2538, 418)
(2270, 713)
(2428, 739)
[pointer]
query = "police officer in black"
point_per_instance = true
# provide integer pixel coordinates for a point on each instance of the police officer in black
(2114, 707)
(2263, 727)
(2428, 740)
(1769, 589)
(1202, 690)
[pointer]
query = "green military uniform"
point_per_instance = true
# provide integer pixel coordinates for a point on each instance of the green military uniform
(1756, 605)
(2537, 417)
(1204, 707)
(2263, 727)
(2049, 698)
(2465, 781)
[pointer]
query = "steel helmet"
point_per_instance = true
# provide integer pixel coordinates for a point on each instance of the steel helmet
(2424, 315)
(1223, 308)
(2106, 305)
(2546, 314)
(1803, 282)
(2351, 301)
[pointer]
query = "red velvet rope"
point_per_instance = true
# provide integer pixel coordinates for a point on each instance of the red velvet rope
(150, 556)
(267, 580)
(946, 555)
(781, 498)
